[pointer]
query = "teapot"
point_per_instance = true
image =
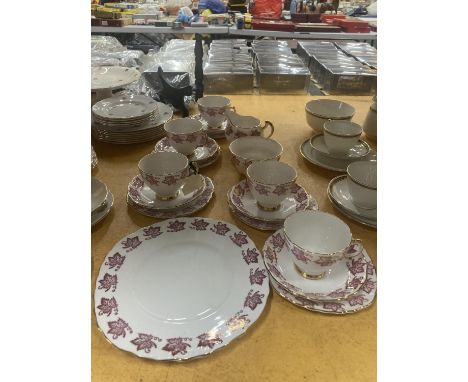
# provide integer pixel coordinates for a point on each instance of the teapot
(243, 126)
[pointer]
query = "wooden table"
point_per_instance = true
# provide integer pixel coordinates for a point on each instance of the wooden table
(287, 343)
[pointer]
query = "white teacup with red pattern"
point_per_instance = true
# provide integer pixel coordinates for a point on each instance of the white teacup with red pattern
(164, 173)
(185, 134)
(317, 241)
(270, 182)
(212, 109)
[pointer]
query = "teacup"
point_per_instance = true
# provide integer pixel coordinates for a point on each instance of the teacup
(244, 126)
(321, 110)
(248, 150)
(270, 182)
(317, 241)
(164, 173)
(370, 123)
(362, 183)
(185, 134)
(341, 136)
(212, 109)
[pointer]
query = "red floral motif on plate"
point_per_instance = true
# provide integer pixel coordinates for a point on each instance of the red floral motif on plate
(356, 300)
(118, 328)
(257, 276)
(251, 256)
(355, 282)
(261, 189)
(175, 226)
(115, 261)
(368, 286)
(356, 266)
(253, 299)
(177, 345)
(152, 232)
(131, 243)
(276, 272)
(107, 306)
(278, 241)
(138, 183)
(239, 238)
(325, 261)
(108, 282)
(220, 229)
(145, 342)
(333, 306)
(207, 340)
(270, 255)
(199, 225)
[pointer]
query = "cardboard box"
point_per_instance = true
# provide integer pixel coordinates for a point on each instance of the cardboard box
(111, 22)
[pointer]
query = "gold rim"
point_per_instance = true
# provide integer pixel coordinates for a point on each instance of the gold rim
(308, 276)
(268, 209)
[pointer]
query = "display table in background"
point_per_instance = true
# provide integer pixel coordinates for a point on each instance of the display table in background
(287, 343)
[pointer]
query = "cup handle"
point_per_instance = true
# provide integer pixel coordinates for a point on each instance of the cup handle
(354, 249)
(232, 108)
(270, 125)
(194, 168)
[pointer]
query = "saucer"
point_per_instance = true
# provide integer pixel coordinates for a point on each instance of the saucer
(187, 209)
(243, 200)
(141, 194)
(360, 150)
(318, 159)
(202, 155)
(343, 280)
(339, 196)
(266, 225)
(98, 216)
(359, 301)
(213, 132)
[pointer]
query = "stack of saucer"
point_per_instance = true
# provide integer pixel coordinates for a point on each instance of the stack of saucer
(252, 207)
(355, 194)
(128, 118)
(101, 201)
(165, 189)
(305, 268)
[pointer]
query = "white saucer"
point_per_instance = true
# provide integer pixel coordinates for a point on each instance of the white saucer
(360, 150)
(98, 216)
(144, 196)
(339, 196)
(243, 201)
(346, 277)
(203, 155)
(318, 159)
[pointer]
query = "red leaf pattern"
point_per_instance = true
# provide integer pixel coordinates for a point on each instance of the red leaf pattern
(251, 256)
(280, 190)
(131, 243)
(239, 238)
(153, 180)
(356, 300)
(115, 261)
(238, 321)
(145, 342)
(199, 225)
(108, 282)
(170, 179)
(152, 232)
(261, 189)
(257, 276)
(118, 328)
(300, 255)
(138, 183)
(356, 266)
(220, 229)
(368, 286)
(207, 340)
(253, 299)
(107, 306)
(278, 241)
(175, 226)
(177, 345)
(325, 261)
(333, 306)
(270, 255)
(355, 282)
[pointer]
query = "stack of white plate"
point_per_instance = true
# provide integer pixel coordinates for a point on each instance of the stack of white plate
(129, 118)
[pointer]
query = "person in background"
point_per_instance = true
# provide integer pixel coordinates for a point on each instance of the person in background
(215, 6)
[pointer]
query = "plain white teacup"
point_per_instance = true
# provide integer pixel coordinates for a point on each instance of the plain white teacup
(318, 240)
(320, 111)
(248, 150)
(185, 134)
(212, 109)
(341, 136)
(362, 183)
(270, 182)
(164, 173)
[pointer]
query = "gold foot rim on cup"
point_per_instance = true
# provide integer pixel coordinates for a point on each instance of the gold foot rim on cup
(166, 198)
(309, 277)
(269, 209)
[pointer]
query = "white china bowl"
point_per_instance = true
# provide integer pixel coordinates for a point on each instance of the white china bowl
(362, 183)
(164, 172)
(320, 111)
(270, 182)
(98, 194)
(185, 134)
(340, 136)
(248, 150)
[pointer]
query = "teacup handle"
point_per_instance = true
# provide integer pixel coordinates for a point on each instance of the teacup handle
(194, 167)
(270, 125)
(232, 108)
(354, 249)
